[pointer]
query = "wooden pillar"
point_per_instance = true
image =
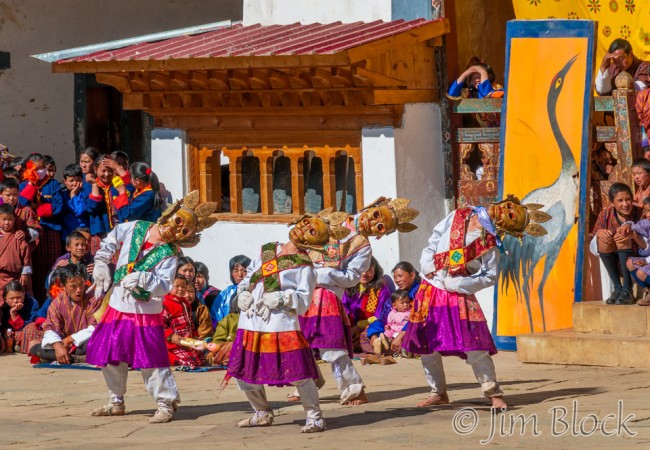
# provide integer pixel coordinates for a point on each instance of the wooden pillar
(628, 132)
(358, 177)
(329, 178)
(193, 165)
(216, 178)
(266, 180)
(297, 182)
(235, 179)
(204, 154)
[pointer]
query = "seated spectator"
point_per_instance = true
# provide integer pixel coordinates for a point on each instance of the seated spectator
(641, 177)
(15, 255)
(620, 58)
(224, 335)
(406, 278)
(145, 203)
(177, 319)
(70, 320)
(366, 303)
(613, 241)
(25, 217)
(186, 268)
(18, 311)
(76, 245)
(10, 172)
(200, 313)
(204, 292)
(73, 213)
(603, 164)
(237, 268)
(639, 266)
(397, 319)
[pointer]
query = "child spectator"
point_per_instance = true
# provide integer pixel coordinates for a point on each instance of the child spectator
(238, 266)
(10, 172)
(18, 311)
(224, 335)
(15, 256)
(200, 313)
(70, 320)
(612, 241)
(76, 246)
(26, 220)
(397, 319)
(100, 204)
(177, 319)
(87, 163)
(42, 193)
(639, 266)
(204, 292)
(119, 162)
(73, 214)
(146, 203)
(641, 177)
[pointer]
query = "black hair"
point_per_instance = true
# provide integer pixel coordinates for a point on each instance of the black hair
(72, 271)
(617, 188)
(646, 201)
(72, 170)
(234, 307)
(407, 267)
(83, 230)
(6, 208)
(19, 161)
(620, 44)
(143, 172)
(178, 276)
(35, 157)
(49, 160)
(203, 270)
(73, 235)
(12, 286)
(602, 150)
(8, 183)
(10, 172)
(399, 294)
(377, 280)
(97, 161)
(91, 152)
(183, 261)
(239, 260)
(120, 154)
(476, 61)
(642, 163)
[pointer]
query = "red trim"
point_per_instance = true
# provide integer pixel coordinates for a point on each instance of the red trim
(29, 192)
(96, 198)
(44, 210)
(17, 324)
(121, 200)
(127, 178)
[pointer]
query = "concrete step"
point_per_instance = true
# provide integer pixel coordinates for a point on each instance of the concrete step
(597, 317)
(586, 349)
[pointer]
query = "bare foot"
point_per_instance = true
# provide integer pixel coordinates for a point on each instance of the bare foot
(293, 398)
(434, 399)
(358, 400)
(499, 405)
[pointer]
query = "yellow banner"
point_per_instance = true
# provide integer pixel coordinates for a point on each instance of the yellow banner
(627, 19)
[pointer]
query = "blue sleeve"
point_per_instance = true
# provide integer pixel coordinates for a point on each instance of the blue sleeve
(455, 89)
(485, 89)
(33, 312)
(22, 200)
(77, 204)
(56, 197)
(42, 312)
(221, 305)
(137, 207)
(378, 326)
(94, 207)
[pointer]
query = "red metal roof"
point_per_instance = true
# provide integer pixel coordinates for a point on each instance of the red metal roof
(258, 40)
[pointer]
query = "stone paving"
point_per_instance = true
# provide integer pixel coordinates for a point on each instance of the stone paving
(562, 406)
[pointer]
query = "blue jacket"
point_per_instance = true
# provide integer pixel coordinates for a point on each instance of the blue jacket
(140, 207)
(51, 204)
(221, 305)
(29, 313)
(97, 214)
(74, 214)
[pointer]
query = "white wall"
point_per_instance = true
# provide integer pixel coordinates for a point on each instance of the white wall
(420, 174)
(267, 12)
(37, 105)
(168, 159)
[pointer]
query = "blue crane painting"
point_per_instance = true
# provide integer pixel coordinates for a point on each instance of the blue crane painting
(545, 144)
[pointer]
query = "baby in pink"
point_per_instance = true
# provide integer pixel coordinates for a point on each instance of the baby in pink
(399, 314)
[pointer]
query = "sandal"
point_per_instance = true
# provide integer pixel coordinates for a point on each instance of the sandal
(109, 410)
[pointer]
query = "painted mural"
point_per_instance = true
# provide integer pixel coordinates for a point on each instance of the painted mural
(545, 139)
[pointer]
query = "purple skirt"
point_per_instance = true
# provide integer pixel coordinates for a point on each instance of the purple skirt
(276, 359)
(135, 339)
(448, 323)
(325, 324)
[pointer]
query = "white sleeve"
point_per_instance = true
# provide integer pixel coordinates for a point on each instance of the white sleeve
(426, 260)
(593, 246)
(603, 82)
(33, 234)
(300, 298)
(350, 275)
(49, 338)
(109, 246)
(82, 336)
(485, 277)
(252, 268)
(159, 280)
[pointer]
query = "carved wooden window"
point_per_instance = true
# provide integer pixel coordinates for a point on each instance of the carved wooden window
(278, 182)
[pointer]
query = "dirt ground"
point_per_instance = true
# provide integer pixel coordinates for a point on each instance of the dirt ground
(558, 407)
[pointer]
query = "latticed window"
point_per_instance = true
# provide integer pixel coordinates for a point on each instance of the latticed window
(278, 182)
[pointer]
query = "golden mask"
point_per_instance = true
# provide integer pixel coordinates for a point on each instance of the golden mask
(376, 221)
(179, 227)
(310, 231)
(510, 216)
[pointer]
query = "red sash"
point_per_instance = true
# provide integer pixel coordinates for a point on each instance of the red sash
(459, 255)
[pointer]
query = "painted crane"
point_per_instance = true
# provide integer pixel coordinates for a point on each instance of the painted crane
(559, 200)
